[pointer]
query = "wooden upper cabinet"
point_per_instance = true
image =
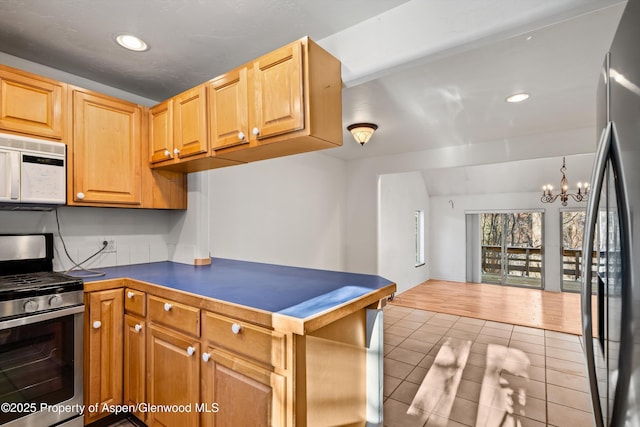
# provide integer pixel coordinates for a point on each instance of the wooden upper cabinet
(161, 131)
(31, 104)
(229, 109)
(278, 92)
(178, 134)
(285, 102)
(294, 104)
(106, 151)
(190, 122)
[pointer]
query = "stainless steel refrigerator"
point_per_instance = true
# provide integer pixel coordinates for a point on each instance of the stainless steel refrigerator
(611, 286)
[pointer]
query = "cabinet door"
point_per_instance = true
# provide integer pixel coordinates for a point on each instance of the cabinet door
(31, 104)
(161, 131)
(278, 86)
(134, 362)
(245, 394)
(106, 150)
(190, 122)
(228, 110)
(174, 377)
(103, 350)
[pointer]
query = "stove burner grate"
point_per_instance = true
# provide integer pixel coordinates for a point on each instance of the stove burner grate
(29, 281)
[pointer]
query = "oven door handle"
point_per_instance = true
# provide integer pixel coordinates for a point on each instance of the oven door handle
(27, 320)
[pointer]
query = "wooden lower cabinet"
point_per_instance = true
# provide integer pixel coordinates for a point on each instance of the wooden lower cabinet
(230, 372)
(103, 350)
(135, 363)
(242, 393)
(173, 366)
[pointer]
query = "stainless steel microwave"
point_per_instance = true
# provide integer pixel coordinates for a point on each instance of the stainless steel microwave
(32, 172)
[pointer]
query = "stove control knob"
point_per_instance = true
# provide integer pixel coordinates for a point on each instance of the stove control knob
(31, 306)
(55, 301)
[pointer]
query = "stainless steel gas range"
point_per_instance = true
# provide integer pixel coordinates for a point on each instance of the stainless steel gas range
(41, 338)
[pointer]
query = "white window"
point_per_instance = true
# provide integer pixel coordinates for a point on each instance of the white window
(419, 231)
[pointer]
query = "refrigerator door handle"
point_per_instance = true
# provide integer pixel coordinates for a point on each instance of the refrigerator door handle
(597, 179)
(625, 360)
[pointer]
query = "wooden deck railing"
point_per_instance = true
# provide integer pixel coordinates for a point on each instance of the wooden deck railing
(520, 261)
(527, 261)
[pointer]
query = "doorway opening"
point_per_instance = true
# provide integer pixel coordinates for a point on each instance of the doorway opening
(508, 248)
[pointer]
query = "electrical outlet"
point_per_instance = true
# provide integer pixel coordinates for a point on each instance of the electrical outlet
(111, 245)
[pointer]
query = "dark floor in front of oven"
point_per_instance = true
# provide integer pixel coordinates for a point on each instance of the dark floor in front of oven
(123, 423)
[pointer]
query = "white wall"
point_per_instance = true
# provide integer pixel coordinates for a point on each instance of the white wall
(190, 228)
(140, 236)
(400, 195)
(362, 178)
(448, 238)
(288, 211)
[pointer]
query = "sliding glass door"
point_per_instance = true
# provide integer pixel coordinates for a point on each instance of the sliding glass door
(511, 248)
(572, 258)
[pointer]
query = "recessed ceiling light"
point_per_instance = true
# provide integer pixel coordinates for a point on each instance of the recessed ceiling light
(517, 97)
(131, 42)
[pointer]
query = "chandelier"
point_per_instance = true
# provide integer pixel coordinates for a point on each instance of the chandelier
(563, 195)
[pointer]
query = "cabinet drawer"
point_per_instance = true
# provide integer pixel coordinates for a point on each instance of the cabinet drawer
(134, 302)
(262, 345)
(174, 315)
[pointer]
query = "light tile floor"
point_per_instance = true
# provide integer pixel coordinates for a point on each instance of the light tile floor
(555, 394)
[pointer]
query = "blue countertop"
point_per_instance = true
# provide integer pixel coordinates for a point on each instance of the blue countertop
(292, 291)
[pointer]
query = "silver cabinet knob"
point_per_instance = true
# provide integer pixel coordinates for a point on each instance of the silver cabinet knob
(256, 131)
(97, 324)
(167, 153)
(241, 136)
(236, 328)
(191, 351)
(167, 306)
(137, 327)
(130, 295)
(176, 151)
(206, 357)
(80, 195)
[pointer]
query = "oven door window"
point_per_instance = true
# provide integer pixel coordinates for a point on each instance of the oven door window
(36, 364)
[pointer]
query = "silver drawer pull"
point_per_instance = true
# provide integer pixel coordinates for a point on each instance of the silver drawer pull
(130, 294)
(167, 306)
(235, 328)
(97, 324)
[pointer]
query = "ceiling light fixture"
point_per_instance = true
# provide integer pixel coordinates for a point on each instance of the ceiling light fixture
(549, 197)
(517, 97)
(362, 132)
(131, 42)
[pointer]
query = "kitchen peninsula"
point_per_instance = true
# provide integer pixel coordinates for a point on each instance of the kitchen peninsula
(257, 344)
